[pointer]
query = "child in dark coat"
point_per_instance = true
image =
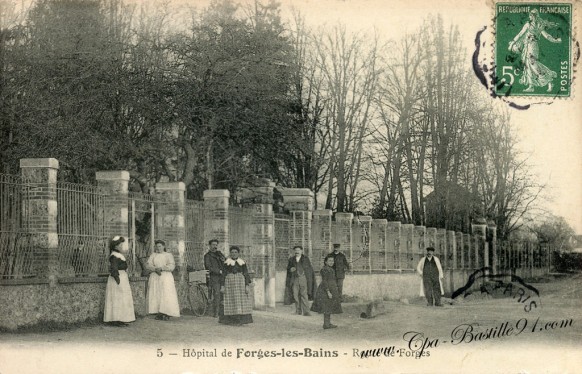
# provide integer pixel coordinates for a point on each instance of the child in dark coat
(327, 298)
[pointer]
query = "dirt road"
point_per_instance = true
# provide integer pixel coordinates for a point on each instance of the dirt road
(493, 325)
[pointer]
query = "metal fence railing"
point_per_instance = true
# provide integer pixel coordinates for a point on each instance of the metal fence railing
(281, 224)
(240, 234)
(195, 216)
(16, 240)
(81, 229)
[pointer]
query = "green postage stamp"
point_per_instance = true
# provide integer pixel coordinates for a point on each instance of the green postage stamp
(533, 49)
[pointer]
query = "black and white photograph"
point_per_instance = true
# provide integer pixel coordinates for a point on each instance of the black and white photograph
(284, 186)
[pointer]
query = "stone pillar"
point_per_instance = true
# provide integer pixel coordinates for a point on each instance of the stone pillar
(263, 240)
(441, 248)
(299, 203)
(115, 184)
(393, 245)
(452, 249)
(407, 254)
(40, 206)
(172, 216)
(479, 230)
(460, 250)
(467, 251)
(378, 245)
(321, 235)
(492, 239)
(216, 225)
(419, 243)
(363, 226)
(344, 235)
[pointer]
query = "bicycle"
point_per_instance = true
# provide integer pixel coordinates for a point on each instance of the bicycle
(198, 292)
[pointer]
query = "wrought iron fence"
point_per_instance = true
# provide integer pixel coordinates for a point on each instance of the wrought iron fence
(195, 246)
(281, 224)
(16, 240)
(144, 227)
(81, 229)
(240, 234)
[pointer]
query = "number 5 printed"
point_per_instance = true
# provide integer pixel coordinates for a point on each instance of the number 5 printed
(507, 70)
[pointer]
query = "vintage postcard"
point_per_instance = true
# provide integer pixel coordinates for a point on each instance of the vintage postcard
(325, 186)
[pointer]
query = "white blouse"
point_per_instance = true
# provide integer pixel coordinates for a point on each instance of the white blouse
(164, 260)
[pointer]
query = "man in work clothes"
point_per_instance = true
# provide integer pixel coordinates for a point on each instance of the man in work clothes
(431, 272)
(213, 262)
(340, 266)
(300, 282)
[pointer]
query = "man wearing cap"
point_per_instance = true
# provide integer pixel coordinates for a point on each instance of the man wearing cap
(213, 262)
(431, 272)
(340, 266)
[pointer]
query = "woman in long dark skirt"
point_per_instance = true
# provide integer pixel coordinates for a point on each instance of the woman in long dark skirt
(235, 285)
(118, 298)
(327, 298)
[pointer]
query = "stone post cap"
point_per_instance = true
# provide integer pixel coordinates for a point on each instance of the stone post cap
(451, 231)
(51, 163)
(442, 231)
(431, 230)
(364, 218)
(322, 212)
(344, 216)
(395, 223)
(407, 225)
(296, 192)
(209, 194)
(119, 175)
(170, 186)
(420, 227)
(379, 221)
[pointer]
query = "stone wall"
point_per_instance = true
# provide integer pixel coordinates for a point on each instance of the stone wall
(27, 305)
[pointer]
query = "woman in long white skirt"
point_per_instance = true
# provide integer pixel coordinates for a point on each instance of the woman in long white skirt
(118, 298)
(162, 295)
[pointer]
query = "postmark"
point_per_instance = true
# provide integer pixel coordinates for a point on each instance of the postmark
(533, 49)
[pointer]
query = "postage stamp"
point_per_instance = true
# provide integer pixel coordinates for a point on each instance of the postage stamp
(533, 49)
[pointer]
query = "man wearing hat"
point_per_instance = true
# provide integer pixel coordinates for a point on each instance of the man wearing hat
(214, 263)
(431, 272)
(340, 266)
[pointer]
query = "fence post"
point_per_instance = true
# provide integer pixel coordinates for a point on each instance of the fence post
(344, 235)
(41, 205)
(492, 237)
(299, 203)
(115, 183)
(172, 219)
(216, 226)
(451, 249)
(263, 241)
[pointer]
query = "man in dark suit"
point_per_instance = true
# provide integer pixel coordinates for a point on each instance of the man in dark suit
(340, 266)
(300, 282)
(214, 262)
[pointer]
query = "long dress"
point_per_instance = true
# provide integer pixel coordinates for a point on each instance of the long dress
(322, 303)
(534, 72)
(237, 307)
(162, 295)
(118, 297)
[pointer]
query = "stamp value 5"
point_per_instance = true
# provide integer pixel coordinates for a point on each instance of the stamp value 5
(533, 49)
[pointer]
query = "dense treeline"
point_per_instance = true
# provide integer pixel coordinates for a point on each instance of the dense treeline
(396, 129)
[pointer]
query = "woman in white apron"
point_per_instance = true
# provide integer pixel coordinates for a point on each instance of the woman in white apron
(162, 295)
